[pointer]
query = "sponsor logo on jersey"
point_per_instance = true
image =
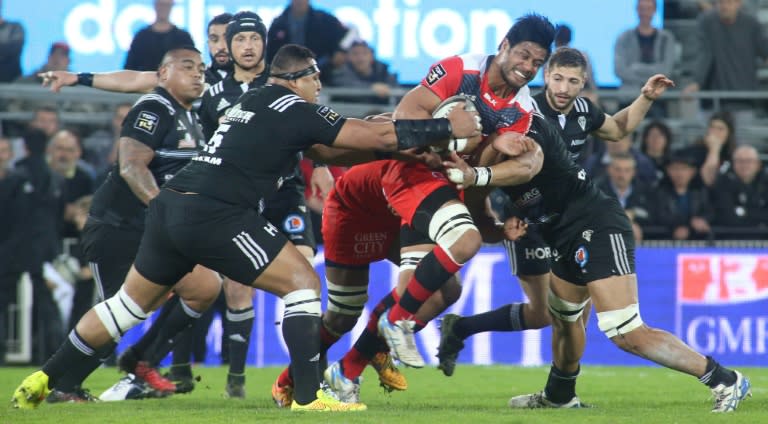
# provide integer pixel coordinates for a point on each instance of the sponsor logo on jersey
(329, 115)
(435, 74)
(582, 123)
(578, 142)
(147, 122)
(235, 114)
(581, 256)
(294, 224)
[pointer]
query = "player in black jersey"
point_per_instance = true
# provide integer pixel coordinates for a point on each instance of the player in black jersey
(594, 260)
(143, 82)
(208, 214)
(159, 136)
(575, 118)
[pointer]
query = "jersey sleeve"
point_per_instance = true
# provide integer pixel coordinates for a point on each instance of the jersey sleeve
(147, 123)
(444, 77)
(208, 119)
(321, 123)
(596, 115)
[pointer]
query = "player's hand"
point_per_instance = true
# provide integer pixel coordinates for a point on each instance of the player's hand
(321, 181)
(465, 124)
(57, 79)
(656, 86)
(515, 228)
(458, 171)
(700, 225)
(423, 155)
(514, 144)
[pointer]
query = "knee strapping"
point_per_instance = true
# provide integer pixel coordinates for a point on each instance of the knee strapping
(410, 260)
(119, 314)
(302, 302)
(621, 321)
(563, 309)
(346, 300)
(448, 224)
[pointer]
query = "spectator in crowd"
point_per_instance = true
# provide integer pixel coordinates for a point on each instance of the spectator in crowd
(634, 196)
(730, 42)
(11, 44)
(656, 143)
(563, 38)
(318, 30)
(682, 204)
(100, 148)
(713, 151)
(64, 152)
(42, 241)
(597, 164)
(644, 51)
(740, 197)
(45, 119)
(15, 196)
(58, 60)
(150, 44)
(362, 70)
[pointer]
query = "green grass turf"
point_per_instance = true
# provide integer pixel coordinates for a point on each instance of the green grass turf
(474, 394)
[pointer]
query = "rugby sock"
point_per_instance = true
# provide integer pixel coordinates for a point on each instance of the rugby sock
(327, 338)
(183, 344)
(353, 363)
(285, 379)
(561, 386)
(431, 273)
(716, 374)
(179, 321)
(301, 332)
(74, 350)
(385, 303)
(506, 318)
(152, 333)
(79, 371)
(240, 324)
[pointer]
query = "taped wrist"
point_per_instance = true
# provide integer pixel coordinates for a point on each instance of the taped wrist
(85, 78)
(483, 175)
(421, 132)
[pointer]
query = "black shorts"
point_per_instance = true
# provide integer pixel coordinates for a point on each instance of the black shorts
(183, 230)
(288, 211)
(530, 255)
(598, 246)
(110, 251)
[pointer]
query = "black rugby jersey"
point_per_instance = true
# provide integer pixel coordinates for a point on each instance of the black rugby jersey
(256, 145)
(219, 97)
(214, 73)
(160, 122)
(583, 118)
(560, 188)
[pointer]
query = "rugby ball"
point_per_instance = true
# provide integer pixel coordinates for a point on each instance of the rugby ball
(443, 109)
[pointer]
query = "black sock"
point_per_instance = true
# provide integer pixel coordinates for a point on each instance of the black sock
(240, 324)
(152, 333)
(301, 333)
(78, 372)
(716, 374)
(179, 319)
(183, 345)
(368, 344)
(506, 318)
(561, 386)
(74, 350)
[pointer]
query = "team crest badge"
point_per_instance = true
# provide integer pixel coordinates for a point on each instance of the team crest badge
(582, 123)
(293, 224)
(435, 74)
(587, 235)
(582, 256)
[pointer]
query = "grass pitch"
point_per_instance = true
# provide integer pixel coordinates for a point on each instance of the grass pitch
(473, 395)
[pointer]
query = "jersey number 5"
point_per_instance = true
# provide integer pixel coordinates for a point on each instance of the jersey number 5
(215, 141)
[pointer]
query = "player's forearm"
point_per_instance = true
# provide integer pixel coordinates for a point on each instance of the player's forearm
(631, 116)
(125, 81)
(139, 180)
(517, 170)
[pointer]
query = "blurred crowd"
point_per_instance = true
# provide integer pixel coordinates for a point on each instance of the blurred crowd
(711, 188)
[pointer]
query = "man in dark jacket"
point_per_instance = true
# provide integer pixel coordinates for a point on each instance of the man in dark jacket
(740, 197)
(315, 29)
